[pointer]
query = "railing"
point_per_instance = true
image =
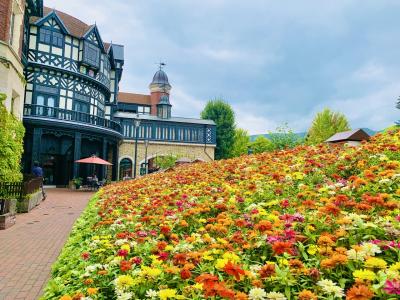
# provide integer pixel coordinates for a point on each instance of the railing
(171, 132)
(69, 115)
(17, 190)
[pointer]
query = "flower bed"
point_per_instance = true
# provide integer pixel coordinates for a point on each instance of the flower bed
(308, 223)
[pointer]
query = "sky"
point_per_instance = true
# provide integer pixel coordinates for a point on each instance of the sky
(274, 61)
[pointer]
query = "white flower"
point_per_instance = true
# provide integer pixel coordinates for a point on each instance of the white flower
(257, 294)
(370, 249)
(151, 294)
(385, 181)
(275, 296)
(331, 288)
(124, 296)
(352, 254)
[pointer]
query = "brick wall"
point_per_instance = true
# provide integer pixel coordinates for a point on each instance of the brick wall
(5, 15)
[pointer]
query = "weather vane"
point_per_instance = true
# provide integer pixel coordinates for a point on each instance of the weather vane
(161, 65)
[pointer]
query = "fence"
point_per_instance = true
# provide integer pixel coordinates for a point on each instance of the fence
(18, 190)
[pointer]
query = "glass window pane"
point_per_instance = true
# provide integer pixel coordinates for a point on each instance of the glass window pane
(50, 102)
(40, 100)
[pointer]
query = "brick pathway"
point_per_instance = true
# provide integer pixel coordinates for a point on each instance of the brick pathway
(29, 248)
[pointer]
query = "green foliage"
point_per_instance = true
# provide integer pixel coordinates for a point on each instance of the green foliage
(166, 161)
(326, 124)
(224, 117)
(261, 144)
(284, 138)
(11, 144)
(242, 142)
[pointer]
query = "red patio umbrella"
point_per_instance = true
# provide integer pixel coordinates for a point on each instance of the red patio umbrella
(93, 160)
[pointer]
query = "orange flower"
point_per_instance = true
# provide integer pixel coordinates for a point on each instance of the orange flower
(307, 295)
(125, 266)
(234, 270)
(66, 297)
(282, 247)
(359, 292)
(267, 271)
(92, 291)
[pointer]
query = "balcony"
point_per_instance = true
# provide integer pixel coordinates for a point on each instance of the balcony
(70, 116)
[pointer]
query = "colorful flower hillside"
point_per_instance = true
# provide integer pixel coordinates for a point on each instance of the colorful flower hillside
(307, 223)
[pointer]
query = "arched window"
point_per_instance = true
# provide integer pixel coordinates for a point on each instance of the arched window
(125, 169)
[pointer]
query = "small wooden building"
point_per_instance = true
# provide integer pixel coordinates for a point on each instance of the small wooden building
(351, 137)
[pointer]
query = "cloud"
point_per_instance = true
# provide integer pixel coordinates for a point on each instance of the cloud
(274, 61)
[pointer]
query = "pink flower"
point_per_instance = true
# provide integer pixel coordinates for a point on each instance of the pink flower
(392, 287)
(122, 252)
(137, 260)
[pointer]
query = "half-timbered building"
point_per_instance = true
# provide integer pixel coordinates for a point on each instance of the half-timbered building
(73, 107)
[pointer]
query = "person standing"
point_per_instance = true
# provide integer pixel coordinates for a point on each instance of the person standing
(37, 171)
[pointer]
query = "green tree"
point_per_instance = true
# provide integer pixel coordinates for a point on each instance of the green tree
(224, 117)
(284, 138)
(325, 124)
(11, 144)
(261, 144)
(242, 142)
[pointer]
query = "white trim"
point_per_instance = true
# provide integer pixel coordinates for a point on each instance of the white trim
(170, 143)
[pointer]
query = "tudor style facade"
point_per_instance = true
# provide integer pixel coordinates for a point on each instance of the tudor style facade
(73, 107)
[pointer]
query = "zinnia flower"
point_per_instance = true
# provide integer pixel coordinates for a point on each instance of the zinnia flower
(167, 293)
(359, 292)
(257, 294)
(275, 296)
(392, 287)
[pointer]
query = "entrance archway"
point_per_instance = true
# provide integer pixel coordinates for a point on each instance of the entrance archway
(125, 168)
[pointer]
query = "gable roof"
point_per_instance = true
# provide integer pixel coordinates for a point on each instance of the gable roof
(134, 98)
(351, 135)
(50, 15)
(75, 27)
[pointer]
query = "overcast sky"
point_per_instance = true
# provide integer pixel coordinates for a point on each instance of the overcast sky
(273, 61)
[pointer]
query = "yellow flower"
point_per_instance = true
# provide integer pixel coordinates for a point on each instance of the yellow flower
(66, 297)
(395, 266)
(167, 293)
(298, 175)
(169, 248)
(310, 228)
(124, 281)
(198, 286)
(375, 262)
(312, 249)
(126, 247)
(220, 263)
(231, 256)
(364, 275)
(151, 272)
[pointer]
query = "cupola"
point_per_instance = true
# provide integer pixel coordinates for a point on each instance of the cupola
(164, 107)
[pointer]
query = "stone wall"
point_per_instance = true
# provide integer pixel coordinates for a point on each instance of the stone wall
(191, 151)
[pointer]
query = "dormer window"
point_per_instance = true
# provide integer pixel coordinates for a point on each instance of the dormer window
(50, 37)
(91, 55)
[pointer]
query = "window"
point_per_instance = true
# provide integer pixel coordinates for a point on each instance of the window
(45, 105)
(92, 55)
(12, 25)
(51, 37)
(144, 110)
(81, 107)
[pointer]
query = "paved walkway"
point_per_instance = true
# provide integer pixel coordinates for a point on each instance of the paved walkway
(29, 248)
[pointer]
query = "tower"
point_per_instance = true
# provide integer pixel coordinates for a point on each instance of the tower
(159, 87)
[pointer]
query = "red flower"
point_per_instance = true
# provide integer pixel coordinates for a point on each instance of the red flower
(85, 255)
(122, 252)
(186, 274)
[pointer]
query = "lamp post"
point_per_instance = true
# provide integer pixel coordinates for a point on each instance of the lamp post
(146, 165)
(136, 124)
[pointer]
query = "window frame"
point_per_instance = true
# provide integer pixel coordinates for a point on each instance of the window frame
(51, 37)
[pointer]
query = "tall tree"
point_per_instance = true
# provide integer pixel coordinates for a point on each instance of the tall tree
(224, 117)
(325, 124)
(284, 138)
(261, 144)
(11, 144)
(242, 142)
